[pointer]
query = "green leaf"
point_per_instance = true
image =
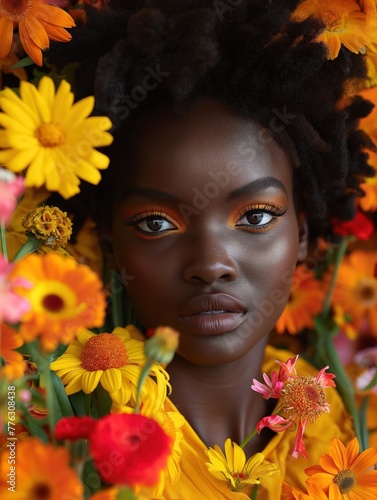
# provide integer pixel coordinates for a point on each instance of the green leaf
(103, 401)
(30, 246)
(61, 396)
(26, 61)
(125, 494)
(35, 428)
(79, 402)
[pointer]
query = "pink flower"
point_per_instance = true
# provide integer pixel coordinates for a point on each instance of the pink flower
(271, 389)
(11, 188)
(12, 306)
(287, 369)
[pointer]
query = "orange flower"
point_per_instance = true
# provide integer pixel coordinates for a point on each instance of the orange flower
(345, 23)
(47, 475)
(38, 23)
(344, 473)
(313, 493)
(306, 299)
(14, 362)
(356, 289)
(64, 298)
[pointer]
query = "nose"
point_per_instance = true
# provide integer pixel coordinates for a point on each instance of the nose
(210, 259)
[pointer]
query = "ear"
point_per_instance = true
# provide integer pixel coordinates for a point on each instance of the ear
(303, 234)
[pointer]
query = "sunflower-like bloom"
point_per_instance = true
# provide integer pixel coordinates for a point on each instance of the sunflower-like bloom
(53, 138)
(302, 400)
(344, 473)
(48, 475)
(305, 301)
(346, 23)
(233, 467)
(50, 225)
(65, 297)
(38, 23)
(356, 289)
(113, 359)
(14, 364)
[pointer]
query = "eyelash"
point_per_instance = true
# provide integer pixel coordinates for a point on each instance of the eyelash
(137, 219)
(274, 211)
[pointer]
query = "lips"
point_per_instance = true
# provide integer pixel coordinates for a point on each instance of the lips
(212, 314)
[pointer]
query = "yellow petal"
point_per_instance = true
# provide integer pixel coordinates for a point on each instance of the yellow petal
(111, 380)
(31, 95)
(79, 111)
(62, 103)
(46, 88)
(90, 380)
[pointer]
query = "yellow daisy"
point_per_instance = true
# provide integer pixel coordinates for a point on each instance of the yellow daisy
(45, 133)
(233, 468)
(38, 23)
(346, 23)
(46, 476)
(113, 359)
(64, 298)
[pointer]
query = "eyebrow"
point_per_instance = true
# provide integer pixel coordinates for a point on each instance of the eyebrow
(249, 189)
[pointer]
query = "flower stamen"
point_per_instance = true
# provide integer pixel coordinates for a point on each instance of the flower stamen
(15, 10)
(50, 135)
(104, 351)
(345, 480)
(304, 398)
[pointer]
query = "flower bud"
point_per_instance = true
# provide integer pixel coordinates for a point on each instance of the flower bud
(161, 346)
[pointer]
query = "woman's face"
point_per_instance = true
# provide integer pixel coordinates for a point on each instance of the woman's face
(207, 230)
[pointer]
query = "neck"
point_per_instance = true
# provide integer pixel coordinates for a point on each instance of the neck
(218, 402)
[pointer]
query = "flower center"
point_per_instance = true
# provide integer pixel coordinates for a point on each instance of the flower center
(304, 398)
(41, 491)
(14, 10)
(50, 135)
(102, 352)
(366, 291)
(239, 475)
(334, 19)
(345, 480)
(53, 303)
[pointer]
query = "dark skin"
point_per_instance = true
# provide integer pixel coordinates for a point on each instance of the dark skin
(216, 266)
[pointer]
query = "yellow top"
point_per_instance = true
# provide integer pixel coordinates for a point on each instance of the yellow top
(196, 483)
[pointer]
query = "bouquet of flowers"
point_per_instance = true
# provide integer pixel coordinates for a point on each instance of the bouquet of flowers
(85, 395)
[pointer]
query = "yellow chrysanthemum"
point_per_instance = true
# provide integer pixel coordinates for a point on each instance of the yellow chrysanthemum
(305, 301)
(233, 468)
(65, 297)
(46, 476)
(344, 473)
(38, 23)
(49, 224)
(356, 289)
(14, 364)
(113, 359)
(53, 138)
(345, 23)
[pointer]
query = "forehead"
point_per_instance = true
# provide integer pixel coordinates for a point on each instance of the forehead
(183, 152)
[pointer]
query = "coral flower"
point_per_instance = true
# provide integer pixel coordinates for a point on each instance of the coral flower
(345, 23)
(233, 468)
(14, 362)
(344, 473)
(356, 289)
(46, 476)
(38, 23)
(306, 300)
(52, 137)
(12, 305)
(65, 297)
(302, 400)
(113, 359)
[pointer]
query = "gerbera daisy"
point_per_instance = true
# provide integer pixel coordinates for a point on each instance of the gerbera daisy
(344, 473)
(356, 289)
(233, 467)
(345, 23)
(14, 364)
(65, 297)
(305, 301)
(52, 137)
(113, 359)
(38, 23)
(48, 475)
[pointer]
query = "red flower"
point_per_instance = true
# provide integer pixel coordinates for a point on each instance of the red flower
(129, 449)
(360, 226)
(73, 428)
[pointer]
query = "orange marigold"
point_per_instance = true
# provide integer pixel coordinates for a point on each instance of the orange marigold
(305, 301)
(14, 364)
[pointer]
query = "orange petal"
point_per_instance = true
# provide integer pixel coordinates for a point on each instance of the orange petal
(57, 33)
(36, 32)
(327, 463)
(364, 461)
(334, 492)
(352, 450)
(6, 37)
(30, 47)
(53, 15)
(322, 480)
(338, 452)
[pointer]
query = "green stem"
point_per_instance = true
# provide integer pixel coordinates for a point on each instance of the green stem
(363, 423)
(3, 241)
(254, 493)
(247, 438)
(116, 298)
(30, 246)
(144, 374)
(338, 259)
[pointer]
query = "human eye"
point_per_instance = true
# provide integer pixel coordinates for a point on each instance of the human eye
(152, 223)
(259, 217)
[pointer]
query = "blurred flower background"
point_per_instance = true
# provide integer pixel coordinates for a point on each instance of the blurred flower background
(69, 378)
